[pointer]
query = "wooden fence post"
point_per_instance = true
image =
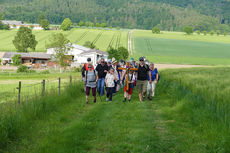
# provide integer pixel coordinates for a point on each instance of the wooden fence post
(19, 92)
(43, 87)
(71, 80)
(59, 86)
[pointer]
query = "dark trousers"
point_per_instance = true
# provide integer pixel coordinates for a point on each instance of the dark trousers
(115, 87)
(110, 93)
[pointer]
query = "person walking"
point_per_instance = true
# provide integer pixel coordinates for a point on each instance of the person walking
(85, 68)
(142, 77)
(154, 78)
(102, 70)
(128, 93)
(91, 78)
(109, 80)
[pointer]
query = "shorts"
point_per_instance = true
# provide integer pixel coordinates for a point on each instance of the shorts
(87, 91)
(142, 86)
(130, 91)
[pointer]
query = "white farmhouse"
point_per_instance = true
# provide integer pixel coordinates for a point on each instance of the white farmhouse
(81, 53)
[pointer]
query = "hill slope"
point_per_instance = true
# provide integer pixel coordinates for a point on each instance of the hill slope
(144, 14)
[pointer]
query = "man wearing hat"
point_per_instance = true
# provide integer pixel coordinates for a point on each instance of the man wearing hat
(142, 78)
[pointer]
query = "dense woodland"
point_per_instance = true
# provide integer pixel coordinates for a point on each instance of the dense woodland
(143, 14)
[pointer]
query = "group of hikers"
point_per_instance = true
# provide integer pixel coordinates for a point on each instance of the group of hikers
(112, 76)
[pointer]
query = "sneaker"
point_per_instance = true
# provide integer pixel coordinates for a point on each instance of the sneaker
(87, 102)
(107, 99)
(129, 100)
(124, 100)
(150, 98)
(94, 100)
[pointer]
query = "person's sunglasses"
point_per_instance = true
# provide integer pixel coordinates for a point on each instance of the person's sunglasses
(141, 60)
(89, 67)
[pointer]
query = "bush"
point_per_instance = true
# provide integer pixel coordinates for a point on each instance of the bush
(16, 60)
(218, 32)
(156, 30)
(198, 32)
(211, 33)
(22, 69)
(225, 33)
(188, 30)
(205, 33)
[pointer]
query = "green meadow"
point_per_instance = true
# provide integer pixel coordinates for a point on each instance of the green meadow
(190, 113)
(178, 48)
(101, 37)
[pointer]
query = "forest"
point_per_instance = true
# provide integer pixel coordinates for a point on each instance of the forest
(171, 15)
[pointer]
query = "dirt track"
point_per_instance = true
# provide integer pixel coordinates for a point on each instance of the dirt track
(171, 66)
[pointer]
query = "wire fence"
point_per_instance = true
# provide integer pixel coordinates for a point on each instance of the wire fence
(25, 91)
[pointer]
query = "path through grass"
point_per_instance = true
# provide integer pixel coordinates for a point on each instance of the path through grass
(153, 126)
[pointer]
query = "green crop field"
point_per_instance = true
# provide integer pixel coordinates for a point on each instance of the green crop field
(178, 48)
(190, 113)
(102, 38)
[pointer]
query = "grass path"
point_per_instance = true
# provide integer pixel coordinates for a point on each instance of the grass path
(111, 127)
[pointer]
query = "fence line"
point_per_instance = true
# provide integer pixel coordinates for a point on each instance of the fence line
(26, 92)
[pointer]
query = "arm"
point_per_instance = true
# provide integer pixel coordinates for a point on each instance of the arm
(150, 77)
(156, 79)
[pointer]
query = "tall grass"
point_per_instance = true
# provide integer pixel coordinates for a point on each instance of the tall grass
(15, 119)
(201, 96)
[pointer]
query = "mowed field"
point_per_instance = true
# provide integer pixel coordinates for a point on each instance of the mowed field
(178, 48)
(100, 37)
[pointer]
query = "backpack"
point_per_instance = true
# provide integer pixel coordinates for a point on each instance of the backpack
(85, 68)
(94, 75)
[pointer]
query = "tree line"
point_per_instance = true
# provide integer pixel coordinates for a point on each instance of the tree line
(140, 14)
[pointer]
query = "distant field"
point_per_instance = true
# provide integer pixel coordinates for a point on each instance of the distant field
(178, 48)
(101, 38)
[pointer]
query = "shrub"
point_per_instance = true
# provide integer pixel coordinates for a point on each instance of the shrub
(22, 69)
(198, 32)
(211, 33)
(188, 30)
(225, 33)
(205, 33)
(156, 30)
(218, 32)
(16, 60)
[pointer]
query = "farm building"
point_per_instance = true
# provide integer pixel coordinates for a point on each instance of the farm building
(81, 53)
(17, 24)
(40, 59)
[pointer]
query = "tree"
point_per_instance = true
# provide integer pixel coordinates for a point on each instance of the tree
(212, 32)
(123, 52)
(89, 44)
(81, 23)
(188, 30)
(98, 25)
(103, 25)
(156, 30)
(40, 18)
(91, 24)
(120, 53)
(45, 24)
(2, 17)
(6, 27)
(66, 24)
(61, 46)
(16, 60)
(24, 40)
(87, 24)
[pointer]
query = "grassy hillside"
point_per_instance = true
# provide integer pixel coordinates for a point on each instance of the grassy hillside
(114, 38)
(188, 114)
(178, 48)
